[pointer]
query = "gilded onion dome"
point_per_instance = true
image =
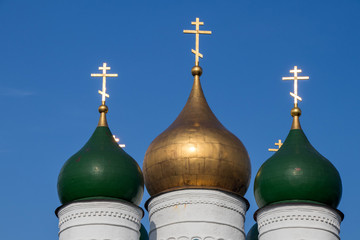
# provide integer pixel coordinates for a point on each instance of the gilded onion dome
(297, 172)
(196, 151)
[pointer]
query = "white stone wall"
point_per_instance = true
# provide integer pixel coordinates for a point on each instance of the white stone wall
(99, 220)
(298, 222)
(197, 214)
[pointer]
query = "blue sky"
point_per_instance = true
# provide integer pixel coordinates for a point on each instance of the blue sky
(48, 49)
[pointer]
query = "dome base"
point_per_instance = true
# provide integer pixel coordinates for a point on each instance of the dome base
(293, 221)
(99, 220)
(197, 213)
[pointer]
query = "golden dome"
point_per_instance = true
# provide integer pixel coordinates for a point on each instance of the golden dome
(196, 151)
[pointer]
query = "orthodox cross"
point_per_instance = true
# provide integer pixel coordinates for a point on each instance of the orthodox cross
(277, 144)
(103, 75)
(117, 140)
(295, 78)
(197, 32)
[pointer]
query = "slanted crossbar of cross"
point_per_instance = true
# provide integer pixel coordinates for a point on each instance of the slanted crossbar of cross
(117, 140)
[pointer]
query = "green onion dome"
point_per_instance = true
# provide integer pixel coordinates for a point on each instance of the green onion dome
(143, 233)
(253, 234)
(297, 173)
(101, 170)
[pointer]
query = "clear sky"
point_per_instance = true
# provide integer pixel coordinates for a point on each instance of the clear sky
(48, 49)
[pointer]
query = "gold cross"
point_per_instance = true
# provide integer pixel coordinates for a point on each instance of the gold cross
(295, 78)
(197, 32)
(117, 140)
(277, 144)
(103, 75)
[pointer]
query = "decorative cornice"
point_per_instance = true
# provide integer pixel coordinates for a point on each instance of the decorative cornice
(300, 204)
(299, 217)
(78, 213)
(193, 238)
(199, 201)
(98, 203)
(89, 214)
(186, 197)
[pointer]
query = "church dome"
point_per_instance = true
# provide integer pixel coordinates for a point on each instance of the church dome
(101, 170)
(196, 151)
(297, 172)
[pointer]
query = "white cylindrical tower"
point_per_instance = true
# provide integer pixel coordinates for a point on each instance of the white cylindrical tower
(96, 219)
(287, 221)
(197, 214)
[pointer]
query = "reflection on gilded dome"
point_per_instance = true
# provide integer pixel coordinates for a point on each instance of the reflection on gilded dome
(196, 151)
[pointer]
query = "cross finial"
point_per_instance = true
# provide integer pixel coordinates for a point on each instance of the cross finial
(103, 75)
(117, 140)
(295, 71)
(197, 32)
(277, 144)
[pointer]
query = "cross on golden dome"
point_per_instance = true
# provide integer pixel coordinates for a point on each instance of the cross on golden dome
(103, 75)
(197, 32)
(277, 144)
(295, 71)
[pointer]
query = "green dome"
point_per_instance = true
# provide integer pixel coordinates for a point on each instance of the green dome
(100, 170)
(297, 172)
(253, 234)
(143, 233)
